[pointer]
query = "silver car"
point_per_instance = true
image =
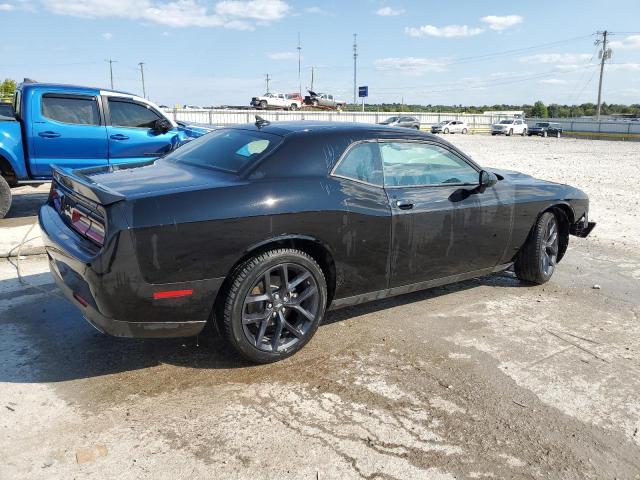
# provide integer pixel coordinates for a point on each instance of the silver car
(450, 126)
(402, 121)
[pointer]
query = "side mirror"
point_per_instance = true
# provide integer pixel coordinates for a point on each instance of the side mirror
(487, 180)
(162, 125)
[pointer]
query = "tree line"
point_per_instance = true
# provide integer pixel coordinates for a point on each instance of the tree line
(537, 110)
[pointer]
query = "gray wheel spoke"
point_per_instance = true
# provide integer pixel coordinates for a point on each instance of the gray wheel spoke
(257, 298)
(284, 284)
(303, 311)
(292, 329)
(299, 279)
(267, 283)
(552, 237)
(278, 333)
(304, 295)
(260, 335)
(248, 318)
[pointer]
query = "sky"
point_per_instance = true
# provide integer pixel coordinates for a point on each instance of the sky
(217, 52)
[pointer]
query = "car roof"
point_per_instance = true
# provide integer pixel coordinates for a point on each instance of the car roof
(28, 86)
(303, 126)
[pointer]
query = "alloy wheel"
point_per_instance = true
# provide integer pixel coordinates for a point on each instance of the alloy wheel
(549, 247)
(281, 307)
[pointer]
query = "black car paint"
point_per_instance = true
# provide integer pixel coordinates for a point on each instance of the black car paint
(539, 130)
(186, 227)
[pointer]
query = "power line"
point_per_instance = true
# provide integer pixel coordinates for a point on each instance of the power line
(299, 56)
(268, 79)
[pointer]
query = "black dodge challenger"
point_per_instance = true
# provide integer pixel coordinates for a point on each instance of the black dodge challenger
(261, 228)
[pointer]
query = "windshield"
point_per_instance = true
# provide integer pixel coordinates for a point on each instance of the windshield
(542, 124)
(506, 122)
(444, 122)
(228, 150)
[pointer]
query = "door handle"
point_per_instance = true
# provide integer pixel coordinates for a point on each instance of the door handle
(49, 134)
(119, 136)
(404, 205)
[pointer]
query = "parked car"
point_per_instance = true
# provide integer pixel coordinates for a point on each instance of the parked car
(323, 100)
(6, 110)
(262, 228)
(80, 127)
(402, 121)
(509, 126)
(544, 129)
(276, 101)
(450, 126)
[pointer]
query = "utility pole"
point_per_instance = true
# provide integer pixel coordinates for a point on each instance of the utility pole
(355, 58)
(111, 62)
(144, 89)
(605, 54)
(267, 78)
(312, 69)
(299, 56)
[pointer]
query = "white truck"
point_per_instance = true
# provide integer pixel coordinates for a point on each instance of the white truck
(509, 127)
(272, 100)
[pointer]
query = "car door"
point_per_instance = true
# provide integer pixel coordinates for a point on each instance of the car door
(131, 134)
(67, 130)
(442, 224)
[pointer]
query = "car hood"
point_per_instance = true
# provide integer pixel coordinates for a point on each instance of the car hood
(156, 177)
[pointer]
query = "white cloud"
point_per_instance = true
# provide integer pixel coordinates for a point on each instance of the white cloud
(553, 81)
(315, 11)
(236, 14)
(562, 58)
(623, 67)
(282, 55)
(5, 7)
(389, 12)
(632, 42)
(410, 65)
(449, 31)
(498, 23)
(107, 35)
(631, 92)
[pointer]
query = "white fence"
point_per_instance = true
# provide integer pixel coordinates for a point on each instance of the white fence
(475, 122)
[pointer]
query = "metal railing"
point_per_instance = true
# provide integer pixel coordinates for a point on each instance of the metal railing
(476, 122)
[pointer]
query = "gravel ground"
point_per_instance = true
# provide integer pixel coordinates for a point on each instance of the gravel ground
(483, 379)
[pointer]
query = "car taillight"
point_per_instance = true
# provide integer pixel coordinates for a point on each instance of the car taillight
(87, 226)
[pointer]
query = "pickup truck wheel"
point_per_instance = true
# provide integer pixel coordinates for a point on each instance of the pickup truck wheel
(464, 131)
(293, 107)
(5, 197)
(263, 104)
(537, 259)
(274, 305)
(524, 132)
(315, 103)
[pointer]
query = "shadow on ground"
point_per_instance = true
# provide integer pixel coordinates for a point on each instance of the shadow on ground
(43, 338)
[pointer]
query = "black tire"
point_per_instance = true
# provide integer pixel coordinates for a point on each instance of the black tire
(5, 197)
(446, 130)
(263, 104)
(244, 335)
(558, 134)
(524, 132)
(529, 134)
(544, 134)
(543, 241)
(465, 131)
(510, 132)
(493, 134)
(293, 107)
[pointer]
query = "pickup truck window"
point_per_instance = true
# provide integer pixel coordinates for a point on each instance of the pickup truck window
(77, 110)
(130, 114)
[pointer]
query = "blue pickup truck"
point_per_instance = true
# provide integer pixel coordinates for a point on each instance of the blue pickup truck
(77, 127)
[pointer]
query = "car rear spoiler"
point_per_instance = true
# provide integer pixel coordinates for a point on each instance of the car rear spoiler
(79, 182)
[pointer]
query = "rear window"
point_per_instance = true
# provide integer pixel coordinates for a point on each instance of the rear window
(77, 110)
(228, 150)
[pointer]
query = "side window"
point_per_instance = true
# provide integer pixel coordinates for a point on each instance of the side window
(362, 163)
(129, 114)
(71, 109)
(414, 164)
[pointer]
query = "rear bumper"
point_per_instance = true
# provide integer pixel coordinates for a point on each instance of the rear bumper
(108, 289)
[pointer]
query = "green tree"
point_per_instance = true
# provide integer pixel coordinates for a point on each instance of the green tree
(539, 110)
(7, 89)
